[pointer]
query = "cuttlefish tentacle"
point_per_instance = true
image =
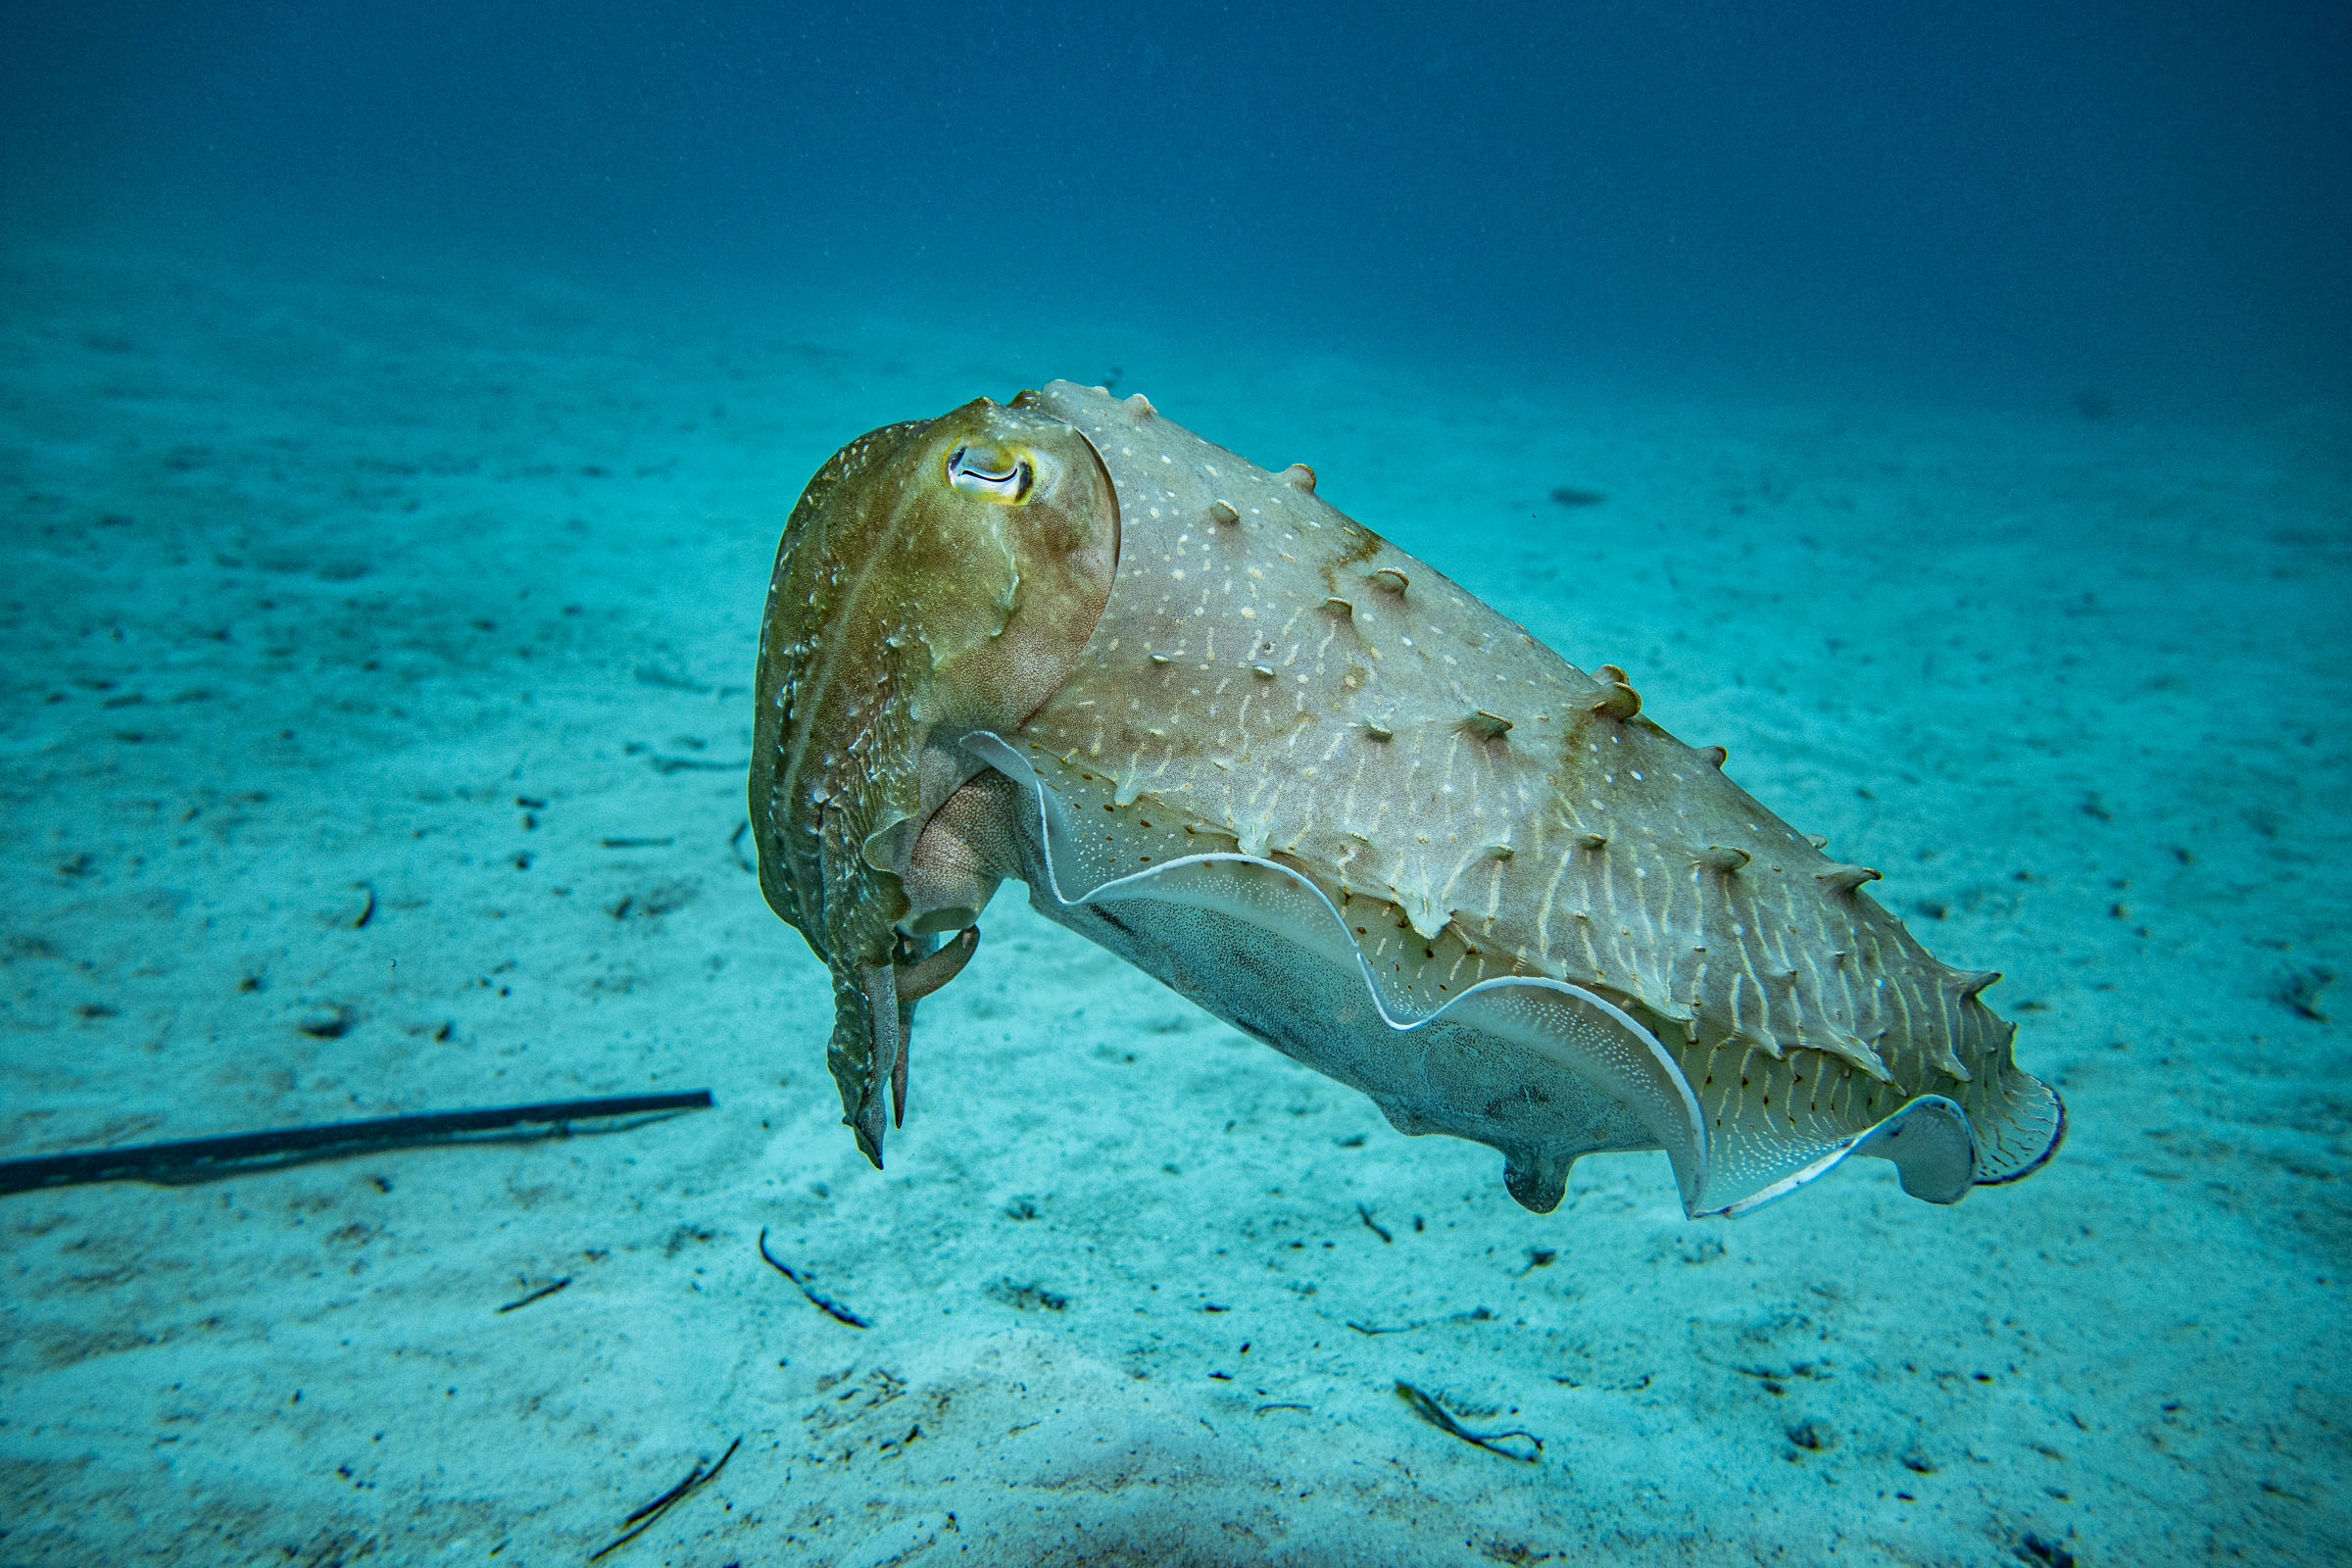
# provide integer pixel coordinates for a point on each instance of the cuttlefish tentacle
(915, 977)
(919, 978)
(885, 1014)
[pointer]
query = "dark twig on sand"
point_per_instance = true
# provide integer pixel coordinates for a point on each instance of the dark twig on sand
(646, 1517)
(1431, 1411)
(539, 1294)
(199, 1159)
(666, 765)
(2300, 991)
(832, 1309)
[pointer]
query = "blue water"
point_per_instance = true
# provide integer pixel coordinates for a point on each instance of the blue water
(2149, 200)
(1946, 408)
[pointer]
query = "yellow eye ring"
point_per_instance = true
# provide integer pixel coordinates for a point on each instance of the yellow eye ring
(1001, 474)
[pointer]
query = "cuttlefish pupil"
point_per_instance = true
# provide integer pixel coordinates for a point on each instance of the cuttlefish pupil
(998, 475)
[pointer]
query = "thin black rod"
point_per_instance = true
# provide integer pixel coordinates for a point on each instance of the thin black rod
(191, 1159)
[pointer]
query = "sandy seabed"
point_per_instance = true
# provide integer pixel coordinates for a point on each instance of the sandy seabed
(373, 714)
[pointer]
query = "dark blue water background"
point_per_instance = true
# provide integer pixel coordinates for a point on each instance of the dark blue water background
(2149, 200)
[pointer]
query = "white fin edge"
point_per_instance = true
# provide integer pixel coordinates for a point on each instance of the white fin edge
(1938, 1164)
(1685, 1145)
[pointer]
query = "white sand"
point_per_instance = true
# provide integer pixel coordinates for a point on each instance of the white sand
(307, 586)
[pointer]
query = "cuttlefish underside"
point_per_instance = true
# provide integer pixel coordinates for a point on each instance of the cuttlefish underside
(1310, 784)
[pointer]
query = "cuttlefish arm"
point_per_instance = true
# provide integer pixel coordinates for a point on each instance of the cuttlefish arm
(910, 979)
(936, 578)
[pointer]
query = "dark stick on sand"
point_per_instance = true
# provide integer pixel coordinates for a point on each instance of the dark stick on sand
(1431, 1411)
(539, 1294)
(832, 1309)
(644, 1518)
(199, 1159)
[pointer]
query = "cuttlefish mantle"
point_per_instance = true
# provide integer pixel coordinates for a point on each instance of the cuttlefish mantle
(1304, 781)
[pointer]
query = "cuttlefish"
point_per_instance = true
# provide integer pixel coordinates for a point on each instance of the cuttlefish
(1307, 782)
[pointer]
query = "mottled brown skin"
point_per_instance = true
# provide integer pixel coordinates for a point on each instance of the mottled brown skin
(904, 608)
(1267, 678)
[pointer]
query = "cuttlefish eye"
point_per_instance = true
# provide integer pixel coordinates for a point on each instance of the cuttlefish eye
(999, 474)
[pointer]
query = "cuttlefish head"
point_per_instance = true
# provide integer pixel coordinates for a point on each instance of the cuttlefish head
(936, 578)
